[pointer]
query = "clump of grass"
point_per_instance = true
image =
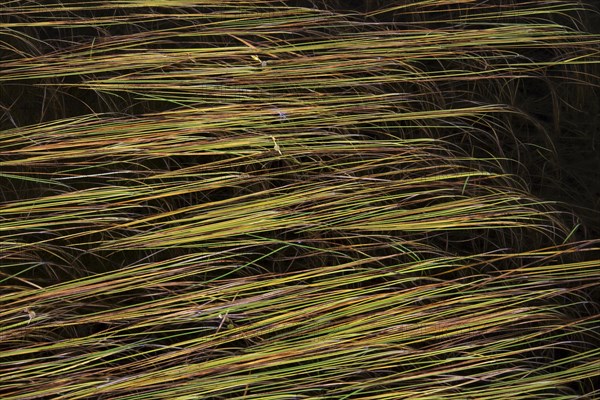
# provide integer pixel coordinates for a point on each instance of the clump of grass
(276, 200)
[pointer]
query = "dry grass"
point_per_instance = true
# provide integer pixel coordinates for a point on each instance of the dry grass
(269, 200)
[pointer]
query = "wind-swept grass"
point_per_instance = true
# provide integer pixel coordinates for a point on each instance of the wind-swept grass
(280, 200)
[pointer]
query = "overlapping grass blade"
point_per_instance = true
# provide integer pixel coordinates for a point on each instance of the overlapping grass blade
(279, 200)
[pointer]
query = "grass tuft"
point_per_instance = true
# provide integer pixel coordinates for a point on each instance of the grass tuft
(297, 200)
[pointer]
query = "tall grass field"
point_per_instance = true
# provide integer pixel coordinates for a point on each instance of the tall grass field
(278, 199)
